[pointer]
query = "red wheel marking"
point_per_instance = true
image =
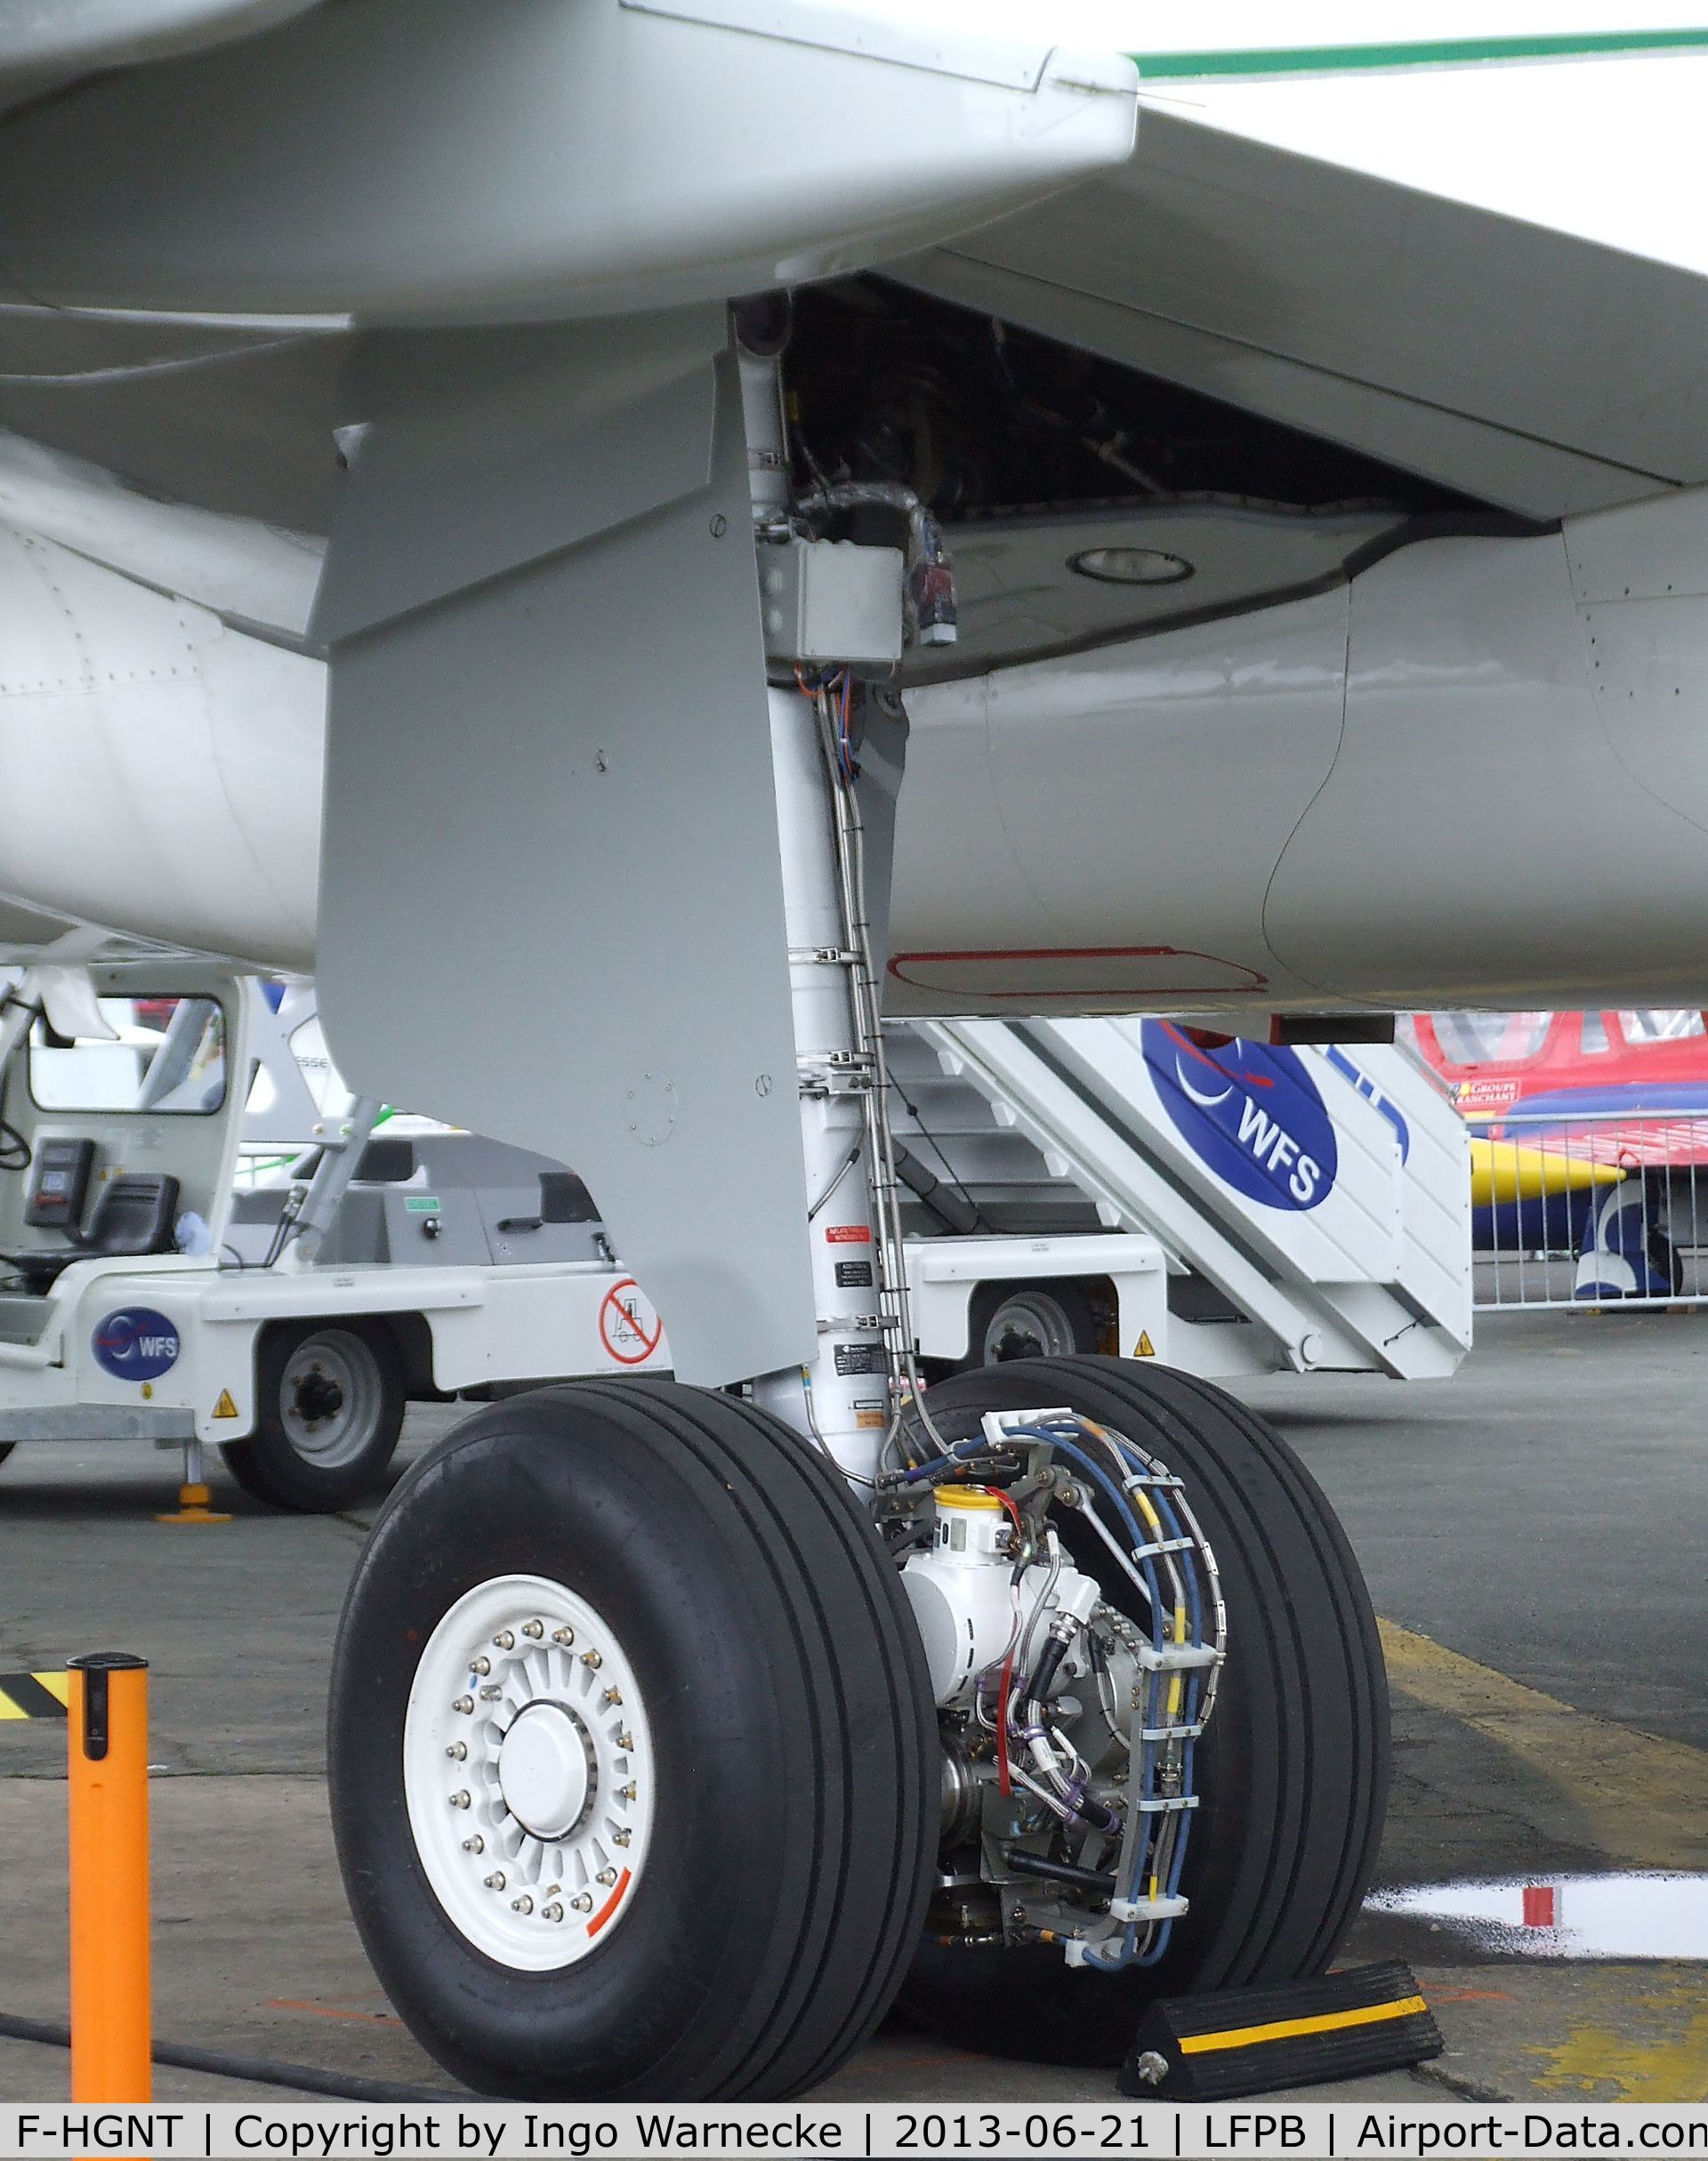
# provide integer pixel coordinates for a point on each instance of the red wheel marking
(610, 1905)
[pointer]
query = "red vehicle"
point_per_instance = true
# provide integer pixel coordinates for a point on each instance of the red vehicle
(1630, 1088)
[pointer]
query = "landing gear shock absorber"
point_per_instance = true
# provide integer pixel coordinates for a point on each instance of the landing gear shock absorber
(848, 1396)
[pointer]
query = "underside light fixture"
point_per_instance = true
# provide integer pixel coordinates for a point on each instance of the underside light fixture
(1130, 566)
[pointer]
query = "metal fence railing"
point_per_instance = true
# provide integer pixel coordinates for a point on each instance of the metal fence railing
(1590, 1207)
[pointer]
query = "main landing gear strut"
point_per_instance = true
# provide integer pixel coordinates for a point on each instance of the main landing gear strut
(676, 1734)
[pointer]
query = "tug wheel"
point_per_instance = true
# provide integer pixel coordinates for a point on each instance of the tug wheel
(632, 1755)
(1028, 1320)
(329, 1404)
(1292, 1770)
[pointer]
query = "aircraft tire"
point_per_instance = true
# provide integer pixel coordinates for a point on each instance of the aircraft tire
(1292, 1770)
(709, 1891)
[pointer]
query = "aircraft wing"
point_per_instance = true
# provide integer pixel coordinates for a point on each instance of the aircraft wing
(1476, 258)
(1471, 259)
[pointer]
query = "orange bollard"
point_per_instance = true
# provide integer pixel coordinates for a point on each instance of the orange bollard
(109, 1806)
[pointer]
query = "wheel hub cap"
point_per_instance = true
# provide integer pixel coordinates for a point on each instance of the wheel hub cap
(546, 1769)
(318, 1398)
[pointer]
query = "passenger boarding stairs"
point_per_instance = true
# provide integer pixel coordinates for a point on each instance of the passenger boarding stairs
(1314, 1205)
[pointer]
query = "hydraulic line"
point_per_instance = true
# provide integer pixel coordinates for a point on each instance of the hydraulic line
(849, 838)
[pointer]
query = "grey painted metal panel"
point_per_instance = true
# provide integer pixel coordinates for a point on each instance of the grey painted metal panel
(551, 897)
(488, 436)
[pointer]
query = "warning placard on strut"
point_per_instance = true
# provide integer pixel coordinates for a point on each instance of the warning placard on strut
(629, 1327)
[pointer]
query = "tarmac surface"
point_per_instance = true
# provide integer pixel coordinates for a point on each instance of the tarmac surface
(1532, 1531)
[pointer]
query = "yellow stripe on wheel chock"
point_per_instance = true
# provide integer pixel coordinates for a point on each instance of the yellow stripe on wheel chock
(1287, 2030)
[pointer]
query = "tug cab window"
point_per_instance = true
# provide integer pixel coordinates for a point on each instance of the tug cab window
(163, 1056)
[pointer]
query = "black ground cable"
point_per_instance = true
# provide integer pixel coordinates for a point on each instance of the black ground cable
(254, 2070)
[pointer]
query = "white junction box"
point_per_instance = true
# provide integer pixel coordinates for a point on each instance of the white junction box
(828, 600)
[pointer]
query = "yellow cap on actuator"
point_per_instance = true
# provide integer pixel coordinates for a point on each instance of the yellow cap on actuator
(966, 1497)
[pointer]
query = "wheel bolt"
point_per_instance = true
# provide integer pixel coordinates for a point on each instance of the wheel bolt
(483, 1665)
(592, 1660)
(477, 1844)
(621, 1838)
(582, 1903)
(566, 1636)
(491, 1692)
(536, 1629)
(626, 1792)
(504, 1640)
(625, 1741)
(606, 1875)
(460, 1801)
(495, 1880)
(465, 1703)
(457, 1751)
(612, 1696)
(553, 1912)
(524, 1905)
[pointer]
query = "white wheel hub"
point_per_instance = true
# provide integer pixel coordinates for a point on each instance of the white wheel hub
(529, 1772)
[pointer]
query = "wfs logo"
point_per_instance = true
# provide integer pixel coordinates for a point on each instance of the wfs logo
(1249, 1112)
(136, 1343)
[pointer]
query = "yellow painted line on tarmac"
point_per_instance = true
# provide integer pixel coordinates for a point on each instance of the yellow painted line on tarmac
(1641, 1799)
(1643, 2041)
